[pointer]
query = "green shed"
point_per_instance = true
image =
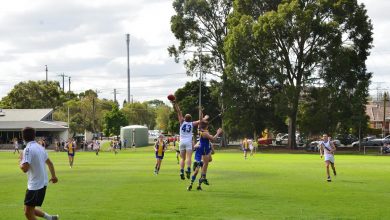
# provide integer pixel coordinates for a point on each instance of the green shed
(134, 136)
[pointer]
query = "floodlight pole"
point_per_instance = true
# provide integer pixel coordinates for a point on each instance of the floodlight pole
(46, 74)
(200, 84)
(128, 67)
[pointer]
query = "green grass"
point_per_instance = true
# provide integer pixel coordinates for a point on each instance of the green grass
(267, 186)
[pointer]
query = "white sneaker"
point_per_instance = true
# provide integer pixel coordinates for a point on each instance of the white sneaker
(55, 217)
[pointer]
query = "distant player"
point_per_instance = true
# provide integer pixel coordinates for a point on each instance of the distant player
(32, 162)
(251, 147)
(186, 142)
(96, 146)
(159, 148)
(177, 150)
(245, 147)
(202, 154)
(327, 149)
(16, 145)
(71, 148)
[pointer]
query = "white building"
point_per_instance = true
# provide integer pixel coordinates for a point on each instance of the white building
(12, 121)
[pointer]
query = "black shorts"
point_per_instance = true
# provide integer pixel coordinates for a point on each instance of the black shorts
(35, 197)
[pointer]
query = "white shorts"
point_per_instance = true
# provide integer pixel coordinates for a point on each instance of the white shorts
(329, 157)
(250, 147)
(185, 146)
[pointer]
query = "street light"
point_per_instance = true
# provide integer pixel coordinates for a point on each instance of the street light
(199, 54)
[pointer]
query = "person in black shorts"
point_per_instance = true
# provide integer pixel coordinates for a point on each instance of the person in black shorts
(32, 161)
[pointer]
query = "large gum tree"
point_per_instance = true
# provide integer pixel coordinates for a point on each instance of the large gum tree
(298, 45)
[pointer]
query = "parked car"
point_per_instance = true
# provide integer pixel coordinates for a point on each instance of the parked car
(282, 139)
(368, 141)
(386, 140)
(279, 137)
(346, 139)
(313, 146)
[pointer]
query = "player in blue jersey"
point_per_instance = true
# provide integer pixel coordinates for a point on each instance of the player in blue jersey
(202, 154)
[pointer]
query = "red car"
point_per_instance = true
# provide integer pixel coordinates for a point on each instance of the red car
(171, 138)
(264, 141)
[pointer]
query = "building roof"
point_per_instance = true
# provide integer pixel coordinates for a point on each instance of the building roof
(40, 119)
(24, 114)
(38, 125)
(134, 127)
(374, 110)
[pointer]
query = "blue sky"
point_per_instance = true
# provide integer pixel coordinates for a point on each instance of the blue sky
(86, 41)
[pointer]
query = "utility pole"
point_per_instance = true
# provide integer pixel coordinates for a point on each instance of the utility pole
(94, 112)
(384, 113)
(128, 67)
(63, 81)
(46, 74)
(69, 82)
(200, 84)
(114, 95)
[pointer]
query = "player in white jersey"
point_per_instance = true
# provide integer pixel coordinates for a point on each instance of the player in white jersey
(33, 161)
(186, 141)
(250, 143)
(327, 149)
(16, 145)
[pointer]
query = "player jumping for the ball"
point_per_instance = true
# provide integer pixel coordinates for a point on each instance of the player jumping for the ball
(186, 143)
(202, 154)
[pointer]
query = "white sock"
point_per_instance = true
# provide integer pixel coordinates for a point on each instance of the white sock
(46, 216)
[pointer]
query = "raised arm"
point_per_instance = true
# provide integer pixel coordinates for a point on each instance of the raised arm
(178, 111)
(54, 178)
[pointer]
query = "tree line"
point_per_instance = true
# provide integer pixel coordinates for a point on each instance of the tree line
(286, 65)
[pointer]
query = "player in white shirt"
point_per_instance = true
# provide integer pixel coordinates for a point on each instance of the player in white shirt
(32, 161)
(250, 142)
(16, 145)
(186, 141)
(327, 149)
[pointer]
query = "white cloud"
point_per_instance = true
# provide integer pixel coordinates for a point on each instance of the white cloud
(86, 40)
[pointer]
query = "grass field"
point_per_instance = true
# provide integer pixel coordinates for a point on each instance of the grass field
(266, 186)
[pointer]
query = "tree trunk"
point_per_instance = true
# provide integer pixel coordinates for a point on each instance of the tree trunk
(292, 124)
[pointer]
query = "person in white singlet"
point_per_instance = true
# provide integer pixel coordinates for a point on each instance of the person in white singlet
(250, 142)
(186, 141)
(327, 149)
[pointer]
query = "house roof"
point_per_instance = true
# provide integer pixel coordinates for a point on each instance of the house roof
(15, 115)
(40, 119)
(375, 110)
(38, 125)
